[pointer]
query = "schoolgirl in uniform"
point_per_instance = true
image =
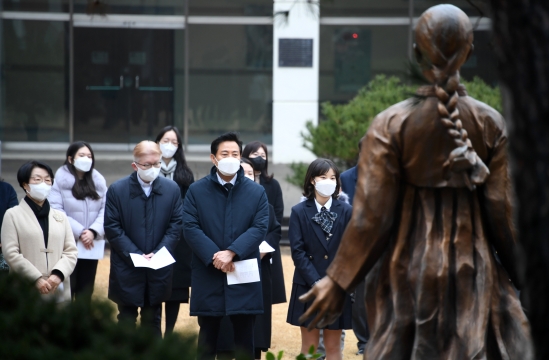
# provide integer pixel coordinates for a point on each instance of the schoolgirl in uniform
(316, 227)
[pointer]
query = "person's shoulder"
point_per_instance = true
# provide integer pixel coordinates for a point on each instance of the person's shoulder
(348, 172)
(300, 206)
(489, 116)
(99, 179)
(63, 178)
(6, 187)
(199, 184)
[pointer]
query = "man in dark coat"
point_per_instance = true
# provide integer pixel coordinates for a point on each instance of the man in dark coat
(143, 213)
(225, 218)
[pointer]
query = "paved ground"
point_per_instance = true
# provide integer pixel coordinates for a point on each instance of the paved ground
(115, 165)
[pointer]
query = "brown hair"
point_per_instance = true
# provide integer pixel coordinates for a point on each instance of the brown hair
(444, 42)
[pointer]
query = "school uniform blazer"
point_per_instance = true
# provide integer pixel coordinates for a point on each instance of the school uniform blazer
(311, 251)
(24, 248)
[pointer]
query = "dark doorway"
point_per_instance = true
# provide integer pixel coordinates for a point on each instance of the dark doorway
(123, 83)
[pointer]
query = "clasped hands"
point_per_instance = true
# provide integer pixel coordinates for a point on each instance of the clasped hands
(87, 237)
(49, 285)
(223, 260)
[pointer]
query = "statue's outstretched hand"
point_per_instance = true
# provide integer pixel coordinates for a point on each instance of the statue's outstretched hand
(328, 302)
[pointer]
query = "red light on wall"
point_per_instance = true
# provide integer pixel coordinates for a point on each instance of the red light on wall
(355, 36)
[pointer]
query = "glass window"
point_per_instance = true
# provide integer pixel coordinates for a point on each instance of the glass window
(35, 81)
(230, 81)
(55, 6)
(145, 7)
(350, 56)
(353, 8)
(231, 7)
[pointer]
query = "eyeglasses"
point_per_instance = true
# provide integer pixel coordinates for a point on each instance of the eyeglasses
(167, 141)
(148, 166)
(39, 180)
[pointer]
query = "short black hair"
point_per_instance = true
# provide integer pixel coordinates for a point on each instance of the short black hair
(316, 168)
(25, 171)
(230, 136)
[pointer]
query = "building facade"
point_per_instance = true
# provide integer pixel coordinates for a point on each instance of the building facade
(114, 72)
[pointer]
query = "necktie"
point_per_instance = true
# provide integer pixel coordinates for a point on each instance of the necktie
(228, 186)
(325, 219)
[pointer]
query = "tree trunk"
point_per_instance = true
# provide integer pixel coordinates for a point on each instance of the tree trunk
(521, 40)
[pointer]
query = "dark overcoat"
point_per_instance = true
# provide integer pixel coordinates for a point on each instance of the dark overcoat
(215, 219)
(274, 195)
(135, 223)
(312, 252)
(263, 322)
(348, 182)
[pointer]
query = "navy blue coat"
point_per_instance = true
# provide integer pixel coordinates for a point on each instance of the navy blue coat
(311, 252)
(348, 182)
(215, 219)
(135, 223)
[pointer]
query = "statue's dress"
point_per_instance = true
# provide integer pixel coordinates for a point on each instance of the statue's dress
(439, 258)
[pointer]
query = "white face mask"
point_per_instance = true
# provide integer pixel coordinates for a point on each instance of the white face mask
(83, 164)
(228, 166)
(325, 187)
(251, 177)
(40, 191)
(149, 174)
(168, 150)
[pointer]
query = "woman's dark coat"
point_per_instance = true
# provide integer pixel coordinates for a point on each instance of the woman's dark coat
(274, 194)
(312, 252)
(135, 223)
(183, 256)
(263, 322)
(215, 219)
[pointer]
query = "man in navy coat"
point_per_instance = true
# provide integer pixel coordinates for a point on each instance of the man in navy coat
(225, 218)
(143, 214)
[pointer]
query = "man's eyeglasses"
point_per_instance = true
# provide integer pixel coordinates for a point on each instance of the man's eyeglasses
(148, 166)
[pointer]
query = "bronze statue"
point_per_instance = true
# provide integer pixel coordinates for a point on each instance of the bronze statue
(431, 228)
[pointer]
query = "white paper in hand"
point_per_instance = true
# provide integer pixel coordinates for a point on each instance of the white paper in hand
(246, 271)
(95, 253)
(159, 260)
(264, 247)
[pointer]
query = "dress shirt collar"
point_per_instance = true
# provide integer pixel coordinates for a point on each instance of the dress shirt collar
(223, 182)
(328, 205)
(146, 187)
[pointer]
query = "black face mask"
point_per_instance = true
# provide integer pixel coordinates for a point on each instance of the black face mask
(259, 163)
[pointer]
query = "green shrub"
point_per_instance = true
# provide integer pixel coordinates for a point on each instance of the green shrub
(337, 136)
(31, 328)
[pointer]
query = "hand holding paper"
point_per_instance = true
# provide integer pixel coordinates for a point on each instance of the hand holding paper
(161, 259)
(246, 271)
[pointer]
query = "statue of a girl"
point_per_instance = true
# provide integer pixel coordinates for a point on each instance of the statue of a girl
(431, 228)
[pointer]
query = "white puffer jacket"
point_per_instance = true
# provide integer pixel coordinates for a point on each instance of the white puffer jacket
(82, 214)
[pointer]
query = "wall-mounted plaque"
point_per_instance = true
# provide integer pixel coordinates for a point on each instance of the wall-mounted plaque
(295, 52)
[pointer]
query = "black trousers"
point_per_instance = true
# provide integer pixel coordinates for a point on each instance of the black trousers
(151, 315)
(83, 279)
(360, 326)
(243, 329)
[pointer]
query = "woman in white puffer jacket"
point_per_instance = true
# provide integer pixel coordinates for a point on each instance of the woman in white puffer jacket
(79, 191)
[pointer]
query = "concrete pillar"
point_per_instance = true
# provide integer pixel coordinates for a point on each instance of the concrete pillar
(295, 77)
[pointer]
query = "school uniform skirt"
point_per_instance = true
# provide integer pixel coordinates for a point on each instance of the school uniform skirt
(296, 308)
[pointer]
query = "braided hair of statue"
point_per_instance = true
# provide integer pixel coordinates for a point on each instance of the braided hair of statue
(444, 39)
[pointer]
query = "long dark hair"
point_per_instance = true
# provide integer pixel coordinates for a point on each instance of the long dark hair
(253, 147)
(183, 175)
(320, 167)
(86, 187)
